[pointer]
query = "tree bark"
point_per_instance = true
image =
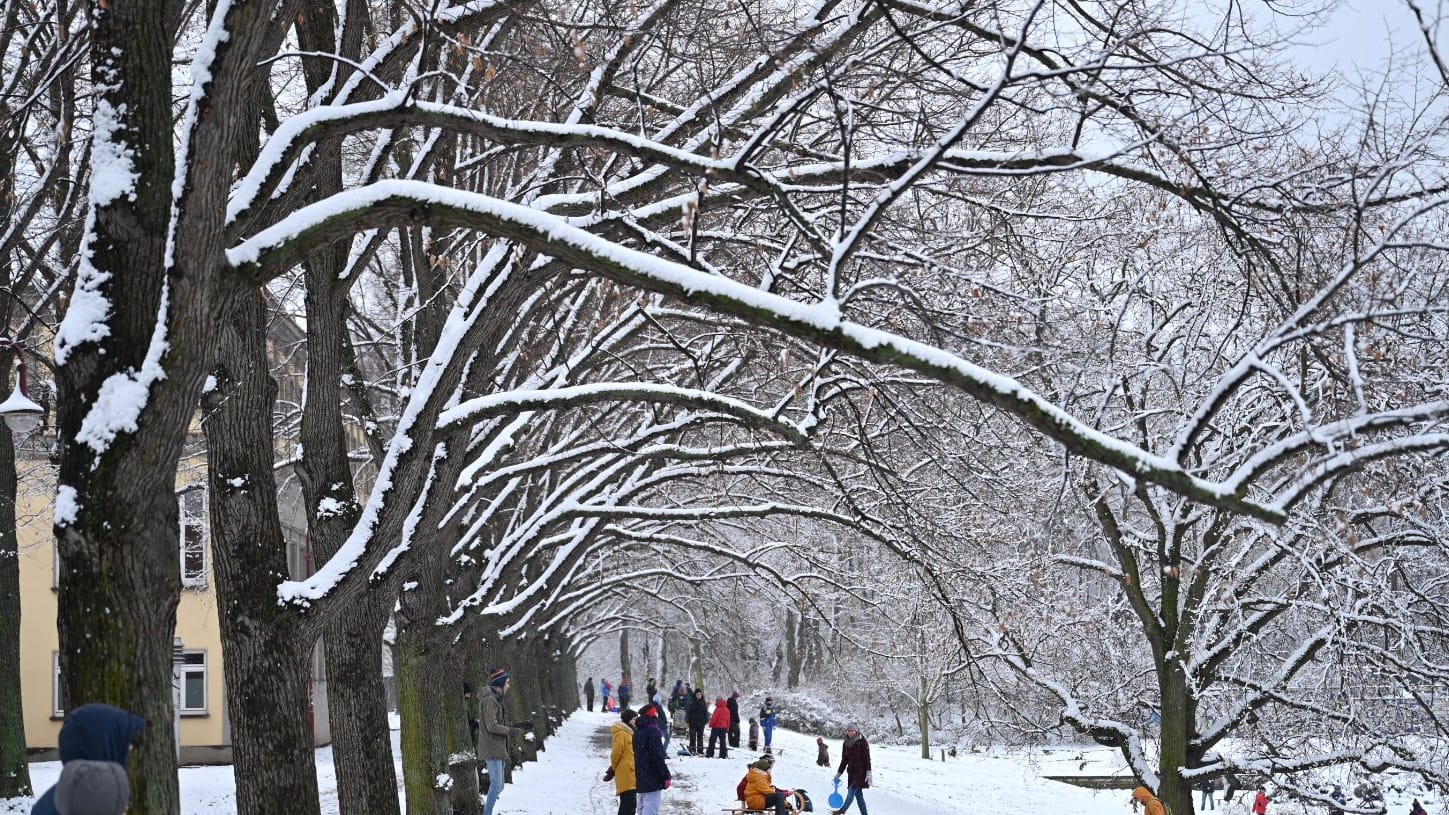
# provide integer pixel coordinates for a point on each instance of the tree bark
(923, 720)
(265, 649)
(14, 764)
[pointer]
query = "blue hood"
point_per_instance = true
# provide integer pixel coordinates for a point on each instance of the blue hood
(99, 733)
(93, 733)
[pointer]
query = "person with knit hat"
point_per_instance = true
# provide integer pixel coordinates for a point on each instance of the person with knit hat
(651, 773)
(493, 735)
(760, 790)
(95, 747)
(621, 762)
(767, 720)
(855, 765)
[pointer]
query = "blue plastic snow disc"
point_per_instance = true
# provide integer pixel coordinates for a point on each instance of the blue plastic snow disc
(836, 799)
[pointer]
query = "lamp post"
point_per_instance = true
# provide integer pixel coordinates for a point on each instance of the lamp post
(20, 412)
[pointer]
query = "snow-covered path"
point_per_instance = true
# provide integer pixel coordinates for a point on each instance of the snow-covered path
(568, 780)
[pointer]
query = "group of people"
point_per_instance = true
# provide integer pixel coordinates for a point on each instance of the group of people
(613, 699)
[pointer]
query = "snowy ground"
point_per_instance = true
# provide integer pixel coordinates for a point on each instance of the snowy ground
(568, 780)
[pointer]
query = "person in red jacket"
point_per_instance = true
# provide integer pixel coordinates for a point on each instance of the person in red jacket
(719, 729)
(1260, 802)
(855, 764)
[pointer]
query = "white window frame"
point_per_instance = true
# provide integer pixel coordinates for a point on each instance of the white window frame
(56, 711)
(196, 580)
(185, 668)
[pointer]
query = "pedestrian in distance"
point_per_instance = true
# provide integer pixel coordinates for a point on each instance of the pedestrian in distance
(754, 734)
(678, 701)
(822, 758)
(1261, 801)
(1149, 802)
(767, 720)
(719, 729)
(95, 750)
(494, 734)
(651, 773)
(1208, 791)
(605, 690)
(624, 692)
(696, 716)
(589, 692)
(854, 765)
(621, 763)
(1417, 808)
(734, 705)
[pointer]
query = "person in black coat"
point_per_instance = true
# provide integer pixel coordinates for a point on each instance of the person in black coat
(734, 705)
(651, 773)
(696, 716)
(589, 692)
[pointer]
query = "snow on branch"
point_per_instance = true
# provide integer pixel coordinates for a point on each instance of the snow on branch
(391, 203)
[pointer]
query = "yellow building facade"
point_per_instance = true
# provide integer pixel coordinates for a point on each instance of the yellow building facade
(203, 727)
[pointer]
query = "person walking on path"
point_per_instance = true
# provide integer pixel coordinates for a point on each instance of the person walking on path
(493, 735)
(606, 690)
(1261, 801)
(589, 692)
(822, 759)
(1149, 802)
(719, 729)
(854, 765)
(767, 720)
(95, 750)
(621, 762)
(651, 774)
(734, 705)
(697, 716)
(624, 693)
(760, 791)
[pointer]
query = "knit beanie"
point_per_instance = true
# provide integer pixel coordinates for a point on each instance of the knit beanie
(93, 788)
(627, 715)
(498, 678)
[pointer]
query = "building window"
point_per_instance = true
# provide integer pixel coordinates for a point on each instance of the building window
(193, 538)
(57, 693)
(193, 683)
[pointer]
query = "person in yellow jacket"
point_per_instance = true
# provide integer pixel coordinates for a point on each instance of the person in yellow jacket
(1149, 802)
(621, 762)
(760, 789)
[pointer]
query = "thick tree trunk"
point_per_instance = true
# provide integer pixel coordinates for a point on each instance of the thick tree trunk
(1178, 713)
(265, 650)
(357, 707)
(420, 691)
(14, 766)
(624, 656)
(462, 752)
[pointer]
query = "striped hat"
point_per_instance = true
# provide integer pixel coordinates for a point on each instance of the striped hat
(498, 678)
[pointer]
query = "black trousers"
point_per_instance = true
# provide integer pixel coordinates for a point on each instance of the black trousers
(628, 802)
(722, 735)
(776, 799)
(696, 739)
(735, 734)
(591, 703)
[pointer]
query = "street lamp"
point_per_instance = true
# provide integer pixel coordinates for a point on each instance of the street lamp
(20, 412)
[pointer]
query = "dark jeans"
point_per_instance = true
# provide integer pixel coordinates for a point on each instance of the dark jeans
(591, 704)
(696, 739)
(721, 735)
(628, 802)
(776, 799)
(735, 735)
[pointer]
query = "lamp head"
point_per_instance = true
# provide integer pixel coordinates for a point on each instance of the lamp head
(21, 414)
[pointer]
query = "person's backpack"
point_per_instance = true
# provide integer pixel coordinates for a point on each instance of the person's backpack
(740, 790)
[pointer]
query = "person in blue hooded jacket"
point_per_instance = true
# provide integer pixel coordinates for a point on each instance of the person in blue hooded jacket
(95, 748)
